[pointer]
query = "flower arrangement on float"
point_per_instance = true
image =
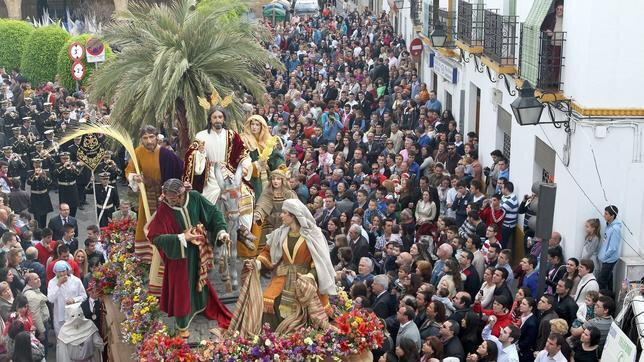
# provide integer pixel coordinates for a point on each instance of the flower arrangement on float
(359, 330)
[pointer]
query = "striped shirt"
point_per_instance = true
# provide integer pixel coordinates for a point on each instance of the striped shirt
(511, 206)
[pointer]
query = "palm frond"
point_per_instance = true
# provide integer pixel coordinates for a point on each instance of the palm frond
(171, 53)
(119, 135)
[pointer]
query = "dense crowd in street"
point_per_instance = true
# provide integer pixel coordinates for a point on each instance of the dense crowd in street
(419, 231)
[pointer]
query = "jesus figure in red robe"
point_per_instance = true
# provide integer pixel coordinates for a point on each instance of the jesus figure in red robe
(178, 229)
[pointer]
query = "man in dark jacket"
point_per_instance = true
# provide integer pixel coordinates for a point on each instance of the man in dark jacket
(565, 306)
(472, 282)
(384, 305)
(452, 346)
(358, 244)
(546, 307)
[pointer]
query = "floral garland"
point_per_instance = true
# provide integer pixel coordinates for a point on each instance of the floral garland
(122, 276)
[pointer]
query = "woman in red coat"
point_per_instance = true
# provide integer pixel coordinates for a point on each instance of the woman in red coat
(501, 310)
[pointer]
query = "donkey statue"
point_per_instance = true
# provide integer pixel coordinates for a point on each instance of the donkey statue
(228, 203)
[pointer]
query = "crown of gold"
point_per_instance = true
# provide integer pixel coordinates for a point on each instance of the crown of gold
(282, 171)
(215, 99)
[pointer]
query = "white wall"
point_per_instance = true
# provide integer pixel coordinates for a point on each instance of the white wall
(603, 53)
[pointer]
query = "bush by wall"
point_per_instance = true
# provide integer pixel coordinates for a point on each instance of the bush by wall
(40, 54)
(64, 63)
(13, 35)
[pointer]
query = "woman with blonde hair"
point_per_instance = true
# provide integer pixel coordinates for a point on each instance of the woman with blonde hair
(591, 241)
(263, 149)
(80, 257)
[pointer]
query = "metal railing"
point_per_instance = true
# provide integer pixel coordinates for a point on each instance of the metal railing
(471, 23)
(500, 40)
(448, 20)
(416, 7)
(549, 61)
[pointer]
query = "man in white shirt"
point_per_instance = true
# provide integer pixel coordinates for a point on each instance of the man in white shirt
(505, 343)
(552, 352)
(62, 290)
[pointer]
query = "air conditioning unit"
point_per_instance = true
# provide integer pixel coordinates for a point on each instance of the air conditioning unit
(629, 267)
(497, 97)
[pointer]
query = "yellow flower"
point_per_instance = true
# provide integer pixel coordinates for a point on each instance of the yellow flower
(121, 258)
(359, 320)
(354, 324)
(145, 310)
(151, 299)
(255, 339)
(136, 338)
(128, 283)
(136, 298)
(308, 341)
(348, 304)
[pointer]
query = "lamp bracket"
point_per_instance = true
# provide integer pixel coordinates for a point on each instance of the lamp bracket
(562, 105)
(489, 75)
(507, 84)
(476, 65)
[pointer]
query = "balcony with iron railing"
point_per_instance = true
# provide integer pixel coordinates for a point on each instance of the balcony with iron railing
(415, 9)
(470, 26)
(446, 20)
(542, 68)
(500, 42)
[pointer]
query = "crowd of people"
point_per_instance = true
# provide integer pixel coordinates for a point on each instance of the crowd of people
(419, 231)
(44, 269)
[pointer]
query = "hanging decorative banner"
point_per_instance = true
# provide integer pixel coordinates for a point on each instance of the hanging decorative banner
(90, 151)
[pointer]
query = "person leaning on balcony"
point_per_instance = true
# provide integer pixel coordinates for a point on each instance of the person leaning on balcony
(553, 22)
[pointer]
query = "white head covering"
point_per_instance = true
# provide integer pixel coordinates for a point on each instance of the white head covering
(315, 241)
(61, 265)
(77, 329)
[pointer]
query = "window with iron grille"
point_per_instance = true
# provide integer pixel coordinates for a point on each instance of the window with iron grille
(448, 20)
(470, 23)
(506, 145)
(500, 37)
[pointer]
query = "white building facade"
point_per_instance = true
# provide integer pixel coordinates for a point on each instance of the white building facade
(600, 161)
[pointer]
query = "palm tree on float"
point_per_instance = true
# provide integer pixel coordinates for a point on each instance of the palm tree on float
(170, 55)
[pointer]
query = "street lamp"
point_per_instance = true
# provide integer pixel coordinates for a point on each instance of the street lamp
(526, 108)
(438, 36)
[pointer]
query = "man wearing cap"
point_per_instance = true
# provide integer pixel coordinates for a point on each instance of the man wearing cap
(43, 116)
(610, 248)
(108, 165)
(49, 141)
(67, 174)
(39, 181)
(106, 199)
(50, 123)
(178, 229)
(14, 135)
(28, 129)
(64, 289)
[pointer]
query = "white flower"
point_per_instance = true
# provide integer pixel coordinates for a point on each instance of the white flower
(268, 343)
(308, 341)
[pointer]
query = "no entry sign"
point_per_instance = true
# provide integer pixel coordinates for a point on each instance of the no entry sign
(416, 47)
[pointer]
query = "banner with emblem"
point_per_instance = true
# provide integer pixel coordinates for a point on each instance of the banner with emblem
(90, 151)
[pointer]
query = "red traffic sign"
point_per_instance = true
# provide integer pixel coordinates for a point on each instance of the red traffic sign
(78, 70)
(416, 47)
(76, 51)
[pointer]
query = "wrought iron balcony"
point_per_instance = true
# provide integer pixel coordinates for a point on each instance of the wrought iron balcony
(471, 23)
(416, 7)
(448, 21)
(500, 40)
(544, 68)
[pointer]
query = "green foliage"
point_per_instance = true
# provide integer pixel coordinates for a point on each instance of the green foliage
(170, 55)
(233, 9)
(13, 34)
(64, 64)
(39, 57)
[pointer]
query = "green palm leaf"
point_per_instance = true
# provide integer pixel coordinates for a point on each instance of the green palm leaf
(170, 55)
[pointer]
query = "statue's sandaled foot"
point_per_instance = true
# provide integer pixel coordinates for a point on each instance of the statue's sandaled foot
(184, 334)
(235, 284)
